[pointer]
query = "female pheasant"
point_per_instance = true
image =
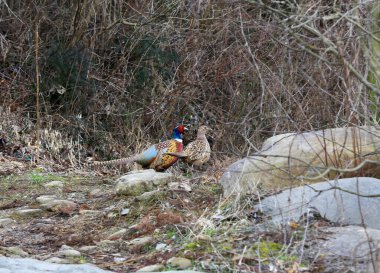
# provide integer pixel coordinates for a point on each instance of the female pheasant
(196, 152)
(154, 157)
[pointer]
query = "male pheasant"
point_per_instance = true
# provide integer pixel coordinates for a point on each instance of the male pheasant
(154, 157)
(196, 152)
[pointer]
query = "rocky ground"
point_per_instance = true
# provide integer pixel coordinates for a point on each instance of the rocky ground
(78, 217)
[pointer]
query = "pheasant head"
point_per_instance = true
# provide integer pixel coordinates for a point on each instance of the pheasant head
(178, 131)
(202, 131)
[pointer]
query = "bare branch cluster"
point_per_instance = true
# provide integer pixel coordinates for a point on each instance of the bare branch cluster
(119, 72)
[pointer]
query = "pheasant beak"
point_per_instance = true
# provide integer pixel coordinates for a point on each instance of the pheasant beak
(185, 129)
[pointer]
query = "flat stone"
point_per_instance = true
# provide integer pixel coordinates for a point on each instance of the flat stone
(138, 182)
(336, 200)
(61, 206)
(27, 265)
(43, 199)
(151, 268)
(54, 184)
(141, 241)
(5, 222)
(117, 235)
(181, 263)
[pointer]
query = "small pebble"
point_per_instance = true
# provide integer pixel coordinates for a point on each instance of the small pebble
(161, 246)
(124, 212)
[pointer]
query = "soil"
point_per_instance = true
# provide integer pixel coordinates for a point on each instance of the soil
(215, 234)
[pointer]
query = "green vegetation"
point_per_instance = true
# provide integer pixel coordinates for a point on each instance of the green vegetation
(37, 178)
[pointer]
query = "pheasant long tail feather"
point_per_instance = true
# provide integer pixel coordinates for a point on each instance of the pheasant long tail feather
(114, 162)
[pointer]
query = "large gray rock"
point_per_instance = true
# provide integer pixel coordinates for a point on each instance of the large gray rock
(336, 200)
(138, 182)
(351, 248)
(293, 159)
(20, 265)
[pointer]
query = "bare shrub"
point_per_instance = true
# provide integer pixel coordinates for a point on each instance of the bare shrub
(118, 75)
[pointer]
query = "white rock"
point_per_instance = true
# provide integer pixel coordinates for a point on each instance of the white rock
(124, 212)
(119, 259)
(340, 206)
(136, 183)
(161, 246)
(290, 160)
(141, 241)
